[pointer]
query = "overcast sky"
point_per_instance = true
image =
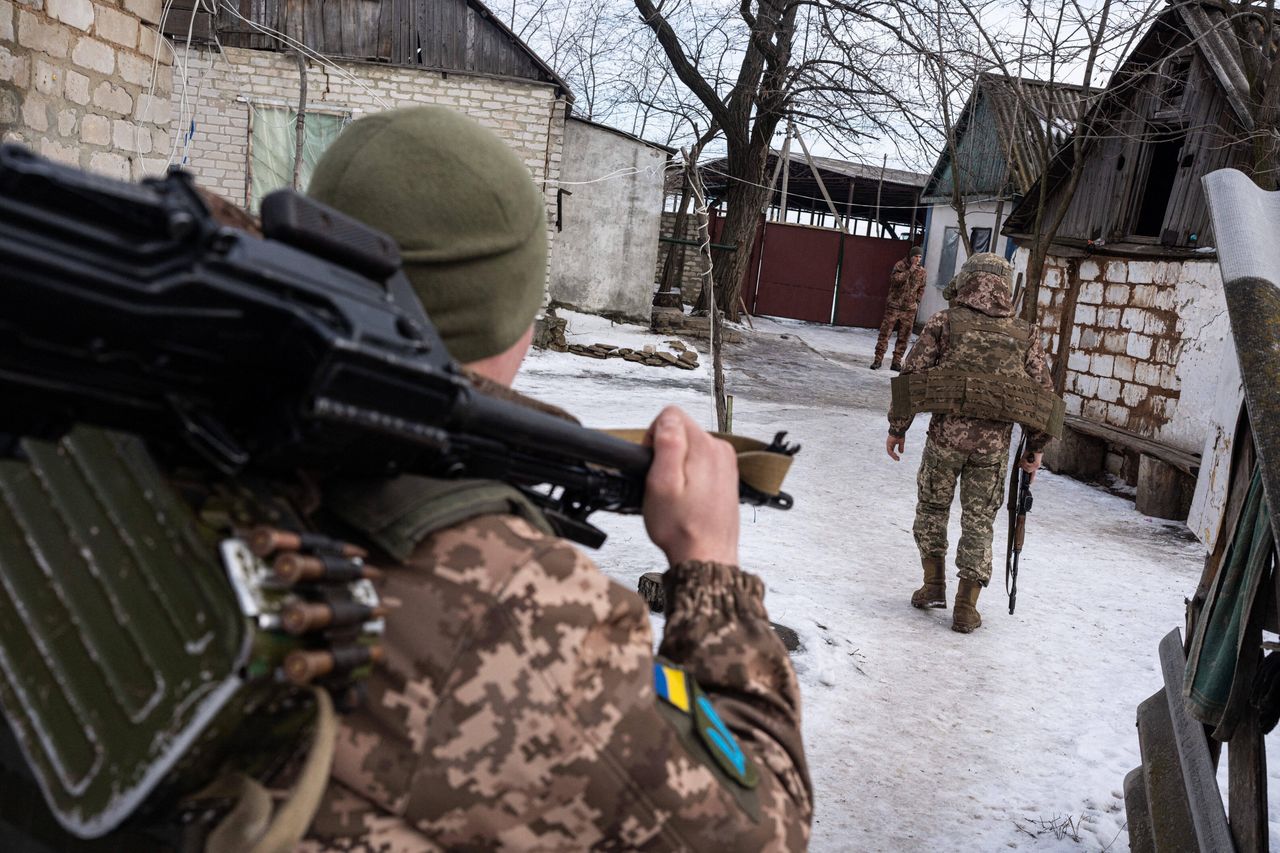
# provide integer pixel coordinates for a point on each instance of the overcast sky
(603, 42)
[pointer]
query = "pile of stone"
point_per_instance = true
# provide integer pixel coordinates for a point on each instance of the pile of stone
(671, 320)
(682, 357)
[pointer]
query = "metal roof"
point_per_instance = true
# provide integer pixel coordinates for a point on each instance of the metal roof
(853, 186)
(1000, 134)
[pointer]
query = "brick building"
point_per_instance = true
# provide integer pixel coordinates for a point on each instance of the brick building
(1132, 280)
(87, 82)
(237, 97)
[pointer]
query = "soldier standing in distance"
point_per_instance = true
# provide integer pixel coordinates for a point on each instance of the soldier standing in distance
(520, 705)
(906, 284)
(979, 370)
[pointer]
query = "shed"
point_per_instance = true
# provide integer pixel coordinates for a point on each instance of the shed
(1132, 282)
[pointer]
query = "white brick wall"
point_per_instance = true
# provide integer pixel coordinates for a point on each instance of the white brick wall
(220, 87)
(1146, 343)
(63, 90)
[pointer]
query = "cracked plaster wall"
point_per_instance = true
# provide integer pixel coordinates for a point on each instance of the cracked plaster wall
(1146, 345)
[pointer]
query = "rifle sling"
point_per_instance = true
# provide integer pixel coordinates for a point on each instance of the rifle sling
(760, 468)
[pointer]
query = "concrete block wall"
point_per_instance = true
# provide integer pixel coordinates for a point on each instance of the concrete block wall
(87, 82)
(223, 87)
(609, 225)
(1145, 343)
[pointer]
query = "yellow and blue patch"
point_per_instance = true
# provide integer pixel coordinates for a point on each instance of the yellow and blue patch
(672, 685)
(679, 690)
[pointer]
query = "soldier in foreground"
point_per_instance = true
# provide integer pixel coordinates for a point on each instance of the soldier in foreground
(520, 705)
(906, 284)
(979, 354)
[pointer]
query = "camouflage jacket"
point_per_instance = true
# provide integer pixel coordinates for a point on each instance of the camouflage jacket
(906, 285)
(516, 709)
(988, 294)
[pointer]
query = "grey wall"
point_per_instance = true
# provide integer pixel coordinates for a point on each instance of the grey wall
(605, 254)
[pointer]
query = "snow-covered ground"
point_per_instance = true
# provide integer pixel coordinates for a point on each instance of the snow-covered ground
(1017, 736)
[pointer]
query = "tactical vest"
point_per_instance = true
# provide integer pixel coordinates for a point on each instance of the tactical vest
(981, 375)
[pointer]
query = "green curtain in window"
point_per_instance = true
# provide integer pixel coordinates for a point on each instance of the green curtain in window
(274, 141)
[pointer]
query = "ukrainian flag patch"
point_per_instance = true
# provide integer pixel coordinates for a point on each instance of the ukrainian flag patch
(672, 685)
(676, 688)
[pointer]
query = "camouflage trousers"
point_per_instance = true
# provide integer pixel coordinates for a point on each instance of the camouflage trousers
(895, 320)
(981, 477)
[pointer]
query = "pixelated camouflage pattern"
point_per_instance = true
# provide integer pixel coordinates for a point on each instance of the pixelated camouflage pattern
(981, 477)
(516, 709)
(989, 295)
(895, 322)
(906, 286)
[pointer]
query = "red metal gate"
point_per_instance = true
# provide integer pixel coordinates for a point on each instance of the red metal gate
(793, 274)
(864, 279)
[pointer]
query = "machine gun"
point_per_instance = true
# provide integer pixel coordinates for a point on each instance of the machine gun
(128, 306)
(1019, 505)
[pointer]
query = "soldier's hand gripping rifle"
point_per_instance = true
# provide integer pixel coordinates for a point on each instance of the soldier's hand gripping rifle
(128, 306)
(1019, 504)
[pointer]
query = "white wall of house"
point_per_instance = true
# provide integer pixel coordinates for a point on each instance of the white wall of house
(1146, 346)
(607, 246)
(979, 214)
(87, 83)
(219, 94)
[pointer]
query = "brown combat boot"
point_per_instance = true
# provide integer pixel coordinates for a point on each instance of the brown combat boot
(875, 365)
(934, 591)
(965, 618)
(896, 366)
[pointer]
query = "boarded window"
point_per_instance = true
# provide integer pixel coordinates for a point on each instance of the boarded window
(274, 141)
(1160, 156)
(980, 239)
(947, 257)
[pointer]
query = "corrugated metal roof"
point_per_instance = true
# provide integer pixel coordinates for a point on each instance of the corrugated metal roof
(1000, 135)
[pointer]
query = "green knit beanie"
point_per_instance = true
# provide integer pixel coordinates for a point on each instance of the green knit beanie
(469, 221)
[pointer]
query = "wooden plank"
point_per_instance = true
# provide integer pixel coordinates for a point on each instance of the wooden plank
(1207, 811)
(1172, 827)
(1180, 459)
(178, 24)
(1141, 839)
(1247, 785)
(1163, 490)
(331, 38)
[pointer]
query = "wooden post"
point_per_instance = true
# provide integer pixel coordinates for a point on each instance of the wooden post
(1247, 772)
(879, 189)
(786, 175)
(717, 362)
(300, 128)
(1066, 326)
(817, 176)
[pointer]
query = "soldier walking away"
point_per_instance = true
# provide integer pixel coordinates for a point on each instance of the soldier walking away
(979, 370)
(520, 705)
(906, 284)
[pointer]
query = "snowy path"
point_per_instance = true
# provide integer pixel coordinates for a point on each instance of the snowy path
(919, 738)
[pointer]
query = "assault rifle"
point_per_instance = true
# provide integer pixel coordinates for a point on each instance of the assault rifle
(129, 306)
(1019, 505)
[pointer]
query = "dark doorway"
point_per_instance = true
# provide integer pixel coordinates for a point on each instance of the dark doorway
(1163, 151)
